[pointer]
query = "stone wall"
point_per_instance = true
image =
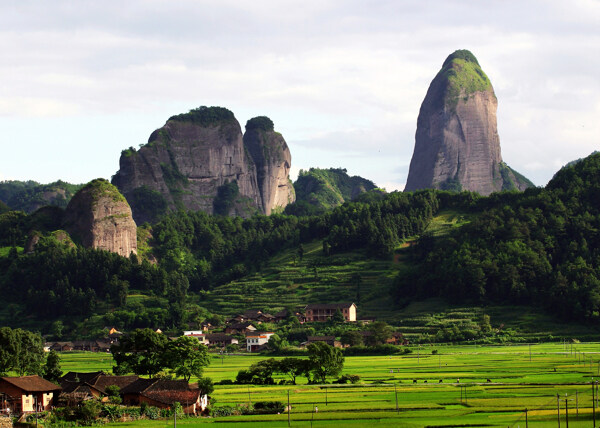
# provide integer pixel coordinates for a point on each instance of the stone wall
(6, 422)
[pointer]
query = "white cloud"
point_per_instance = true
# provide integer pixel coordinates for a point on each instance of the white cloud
(342, 80)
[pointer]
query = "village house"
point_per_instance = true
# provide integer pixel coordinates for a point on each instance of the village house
(163, 393)
(330, 340)
(82, 386)
(27, 394)
(240, 328)
(198, 334)
(256, 341)
(220, 339)
(325, 311)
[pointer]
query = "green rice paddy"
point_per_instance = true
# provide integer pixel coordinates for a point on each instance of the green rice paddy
(521, 377)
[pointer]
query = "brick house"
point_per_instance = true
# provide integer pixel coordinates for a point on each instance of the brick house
(27, 394)
(330, 340)
(325, 311)
(91, 385)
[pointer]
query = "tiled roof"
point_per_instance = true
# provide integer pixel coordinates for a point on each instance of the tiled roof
(170, 396)
(32, 383)
(328, 305)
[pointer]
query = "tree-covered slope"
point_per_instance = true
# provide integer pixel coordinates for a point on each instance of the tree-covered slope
(541, 247)
(30, 195)
(318, 190)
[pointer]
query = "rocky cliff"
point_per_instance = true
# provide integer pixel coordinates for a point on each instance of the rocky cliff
(457, 146)
(198, 161)
(98, 216)
(272, 159)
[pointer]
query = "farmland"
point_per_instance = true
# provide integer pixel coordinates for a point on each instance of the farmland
(521, 377)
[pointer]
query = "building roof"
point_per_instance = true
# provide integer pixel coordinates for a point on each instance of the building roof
(33, 383)
(171, 396)
(78, 377)
(321, 338)
(329, 305)
(142, 385)
(218, 337)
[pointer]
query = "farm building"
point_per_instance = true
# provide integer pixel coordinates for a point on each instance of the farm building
(325, 311)
(27, 394)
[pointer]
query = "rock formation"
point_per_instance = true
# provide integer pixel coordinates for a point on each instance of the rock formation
(456, 144)
(98, 216)
(272, 159)
(198, 161)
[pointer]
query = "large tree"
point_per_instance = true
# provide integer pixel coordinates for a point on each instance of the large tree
(141, 352)
(21, 351)
(186, 357)
(325, 360)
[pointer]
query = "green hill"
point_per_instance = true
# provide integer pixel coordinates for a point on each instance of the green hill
(30, 195)
(318, 190)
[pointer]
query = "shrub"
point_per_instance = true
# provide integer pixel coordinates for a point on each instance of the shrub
(268, 407)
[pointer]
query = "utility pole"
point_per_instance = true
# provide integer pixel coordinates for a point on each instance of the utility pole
(567, 411)
(558, 409)
(593, 405)
(325, 395)
(526, 420)
(530, 352)
(577, 403)
(289, 408)
(396, 395)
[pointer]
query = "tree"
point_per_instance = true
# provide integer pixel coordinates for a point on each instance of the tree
(186, 357)
(325, 360)
(338, 317)
(30, 352)
(352, 338)
(293, 367)
(51, 370)
(142, 353)
(8, 349)
(380, 332)
(114, 394)
(205, 385)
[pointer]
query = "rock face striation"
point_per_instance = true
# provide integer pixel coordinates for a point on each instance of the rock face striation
(98, 216)
(273, 160)
(456, 144)
(200, 161)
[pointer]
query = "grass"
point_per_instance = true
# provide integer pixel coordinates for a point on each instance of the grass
(519, 380)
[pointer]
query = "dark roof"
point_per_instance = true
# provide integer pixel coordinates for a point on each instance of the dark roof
(78, 377)
(218, 336)
(171, 396)
(32, 383)
(240, 325)
(282, 314)
(105, 381)
(328, 305)
(320, 338)
(143, 385)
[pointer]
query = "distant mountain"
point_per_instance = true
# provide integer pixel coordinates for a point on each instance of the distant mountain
(457, 145)
(30, 195)
(318, 190)
(201, 161)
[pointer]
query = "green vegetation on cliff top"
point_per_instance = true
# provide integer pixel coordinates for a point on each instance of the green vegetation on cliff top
(260, 122)
(101, 187)
(205, 116)
(30, 195)
(464, 76)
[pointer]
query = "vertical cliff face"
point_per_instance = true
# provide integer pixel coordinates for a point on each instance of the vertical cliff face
(198, 161)
(273, 160)
(457, 146)
(98, 216)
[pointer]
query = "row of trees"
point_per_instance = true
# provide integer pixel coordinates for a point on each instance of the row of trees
(323, 361)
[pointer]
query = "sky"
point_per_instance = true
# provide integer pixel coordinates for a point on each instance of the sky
(343, 80)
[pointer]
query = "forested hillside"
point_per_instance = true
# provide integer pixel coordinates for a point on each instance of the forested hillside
(538, 248)
(30, 195)
(318, 190)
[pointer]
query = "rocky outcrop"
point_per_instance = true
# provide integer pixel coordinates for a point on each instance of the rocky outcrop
(198, 161)
(98, 216)
(457, 146)
(272, 159)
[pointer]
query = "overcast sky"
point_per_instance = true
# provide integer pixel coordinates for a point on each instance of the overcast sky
(342, 80)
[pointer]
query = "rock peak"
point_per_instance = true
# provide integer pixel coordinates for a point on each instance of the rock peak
(98, 216)
(457, 146)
